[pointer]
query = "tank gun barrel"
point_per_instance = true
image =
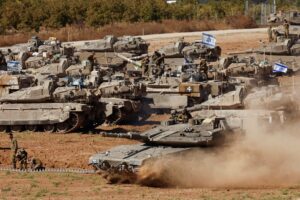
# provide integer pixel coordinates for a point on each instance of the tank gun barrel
(243, 52)
(135, 63)
(129, 135)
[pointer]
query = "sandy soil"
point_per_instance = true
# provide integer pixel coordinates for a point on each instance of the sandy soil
(90, 187)
(73, 150)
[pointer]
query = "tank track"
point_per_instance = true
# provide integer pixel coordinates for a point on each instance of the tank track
(50, 170)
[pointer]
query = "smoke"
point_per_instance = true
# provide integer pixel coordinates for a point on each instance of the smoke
(263, 157)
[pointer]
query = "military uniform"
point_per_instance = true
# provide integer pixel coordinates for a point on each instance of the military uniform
(145, 66)
(270, 34)
(286, 26)
(3, 64)
(22, 158)
(14, 150)
(36, 164)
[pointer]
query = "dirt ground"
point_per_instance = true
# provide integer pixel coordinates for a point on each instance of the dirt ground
(73, 151)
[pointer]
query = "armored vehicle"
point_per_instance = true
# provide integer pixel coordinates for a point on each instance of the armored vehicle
(103, 45)
(32, 45)
(293, 17)
(50, 108)
(130, 44)
(10, 83)
(174, 50)
(161, 141)
(200, 51)
(121, 99)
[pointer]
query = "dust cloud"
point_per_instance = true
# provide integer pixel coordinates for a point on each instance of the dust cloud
(263, 157)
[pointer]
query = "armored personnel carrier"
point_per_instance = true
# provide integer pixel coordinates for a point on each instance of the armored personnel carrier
(159, 142)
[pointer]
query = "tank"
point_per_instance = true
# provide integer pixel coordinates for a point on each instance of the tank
(49, 108)
(122, 99)
(10, 82)
(200, 51)
(131, 44)
(103, 45)
(161, 141)
(174, 50)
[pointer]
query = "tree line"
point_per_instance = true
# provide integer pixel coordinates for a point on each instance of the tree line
(27, 15)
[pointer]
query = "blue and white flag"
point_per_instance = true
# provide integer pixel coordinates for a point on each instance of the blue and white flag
(278, 67)
(209, 40)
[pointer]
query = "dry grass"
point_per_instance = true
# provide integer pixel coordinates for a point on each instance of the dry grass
(76, 187)
(75, 33)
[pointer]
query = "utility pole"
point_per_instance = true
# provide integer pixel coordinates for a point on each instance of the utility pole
(274, 8)
(246, 7)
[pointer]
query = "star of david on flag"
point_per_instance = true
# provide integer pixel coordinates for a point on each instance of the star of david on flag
(209, 40)
(278, 67)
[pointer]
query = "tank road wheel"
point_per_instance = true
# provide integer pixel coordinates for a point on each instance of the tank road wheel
(31, 128)
(50, 128)
(16, 128)
(3, 129)
(62, 127)
(74, 121)
(71, 124)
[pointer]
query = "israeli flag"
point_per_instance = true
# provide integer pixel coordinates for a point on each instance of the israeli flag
(278, 67)
(209, 40)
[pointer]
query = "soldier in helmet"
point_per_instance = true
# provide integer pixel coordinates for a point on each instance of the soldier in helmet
(286, 27)
(14, 149)
(36, 164)
(21, 156)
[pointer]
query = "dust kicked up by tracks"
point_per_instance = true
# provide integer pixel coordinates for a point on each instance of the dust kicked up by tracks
(262, 158)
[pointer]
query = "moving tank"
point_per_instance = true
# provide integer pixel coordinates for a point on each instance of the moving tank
(168, 139)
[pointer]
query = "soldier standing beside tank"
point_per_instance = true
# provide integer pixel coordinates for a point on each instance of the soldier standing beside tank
(145, 66)
(91, 58)
(286, 27)
(11, 56)
(22, 158)
(14, 150)
(270, 33)
(3, 64)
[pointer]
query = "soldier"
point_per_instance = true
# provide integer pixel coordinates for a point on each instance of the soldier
(160, 60)
(14, 150)
(21, 156)
(3, 64)
(286, 27)
(275, 35)
(185, 115)
(145, 66)
(11, 56)
(91, 58)
(36, 164)
(270, 33)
